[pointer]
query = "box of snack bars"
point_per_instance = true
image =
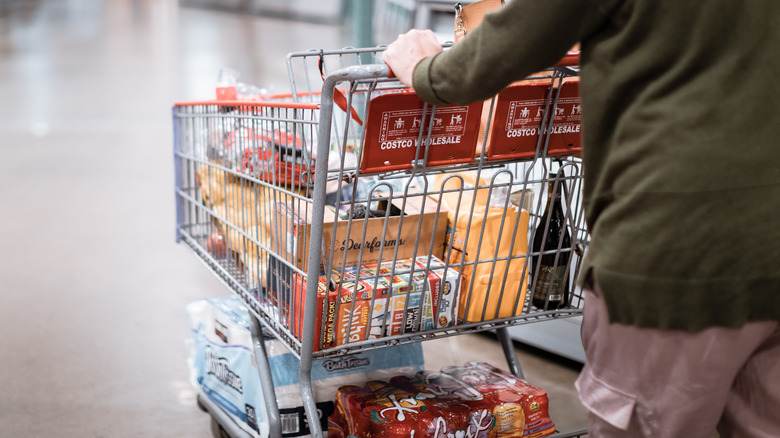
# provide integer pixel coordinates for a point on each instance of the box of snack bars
(361, 306)
(395, 277)
(445, 290)
(423, 296)
(405, 307)
(380, 285)
(286, 295)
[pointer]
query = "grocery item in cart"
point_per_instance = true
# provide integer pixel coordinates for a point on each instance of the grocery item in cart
(445, 290)
(483, 229)
(421, 294)
(429, 301)
(221, 362)
(356, 242)
(243, 214)
(521, 121)
(222, 366)
(369, 302)
(277, 157)
(552, 243)
(402, 129)
(285, 297)
(362, 306)
(475, 400)
(328, 375)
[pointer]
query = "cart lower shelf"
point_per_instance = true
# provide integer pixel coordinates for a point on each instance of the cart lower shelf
(222, 426)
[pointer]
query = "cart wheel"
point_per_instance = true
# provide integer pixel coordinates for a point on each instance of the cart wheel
(217, 431)
(201, 406)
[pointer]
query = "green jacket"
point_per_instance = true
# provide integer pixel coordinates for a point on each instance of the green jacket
(681, 132)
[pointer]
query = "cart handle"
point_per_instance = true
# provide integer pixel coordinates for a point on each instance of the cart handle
(571, 59)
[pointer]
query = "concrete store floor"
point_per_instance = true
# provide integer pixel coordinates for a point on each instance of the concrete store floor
(93, 287)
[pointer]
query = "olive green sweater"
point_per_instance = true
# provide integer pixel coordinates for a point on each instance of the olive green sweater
(681, 132)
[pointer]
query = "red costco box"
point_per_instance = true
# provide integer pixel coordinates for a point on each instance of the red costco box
(517, 124)
(395, 122)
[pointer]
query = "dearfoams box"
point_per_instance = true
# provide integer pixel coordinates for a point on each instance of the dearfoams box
(413, 233)
(222, 365)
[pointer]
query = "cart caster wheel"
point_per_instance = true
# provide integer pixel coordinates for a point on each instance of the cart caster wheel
(217, 431)
(201, 406)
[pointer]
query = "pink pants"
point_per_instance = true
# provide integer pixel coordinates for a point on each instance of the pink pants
(667, 384)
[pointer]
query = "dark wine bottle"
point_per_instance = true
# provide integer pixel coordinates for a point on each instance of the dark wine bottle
(551, 287)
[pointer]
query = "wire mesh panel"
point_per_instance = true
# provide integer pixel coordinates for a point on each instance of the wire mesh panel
(234, 163)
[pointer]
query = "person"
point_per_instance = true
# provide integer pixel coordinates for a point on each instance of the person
(681, 158)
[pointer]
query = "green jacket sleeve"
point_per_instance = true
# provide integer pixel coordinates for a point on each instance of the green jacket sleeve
(523, 37)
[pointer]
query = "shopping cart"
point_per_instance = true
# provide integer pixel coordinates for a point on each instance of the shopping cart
(349, 215)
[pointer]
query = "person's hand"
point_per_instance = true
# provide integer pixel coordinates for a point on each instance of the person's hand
(409, 49)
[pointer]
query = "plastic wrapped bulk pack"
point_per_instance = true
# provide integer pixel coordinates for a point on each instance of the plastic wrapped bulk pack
(476, 400)
(223, 367)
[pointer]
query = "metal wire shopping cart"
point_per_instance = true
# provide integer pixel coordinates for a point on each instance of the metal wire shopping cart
(329, 210)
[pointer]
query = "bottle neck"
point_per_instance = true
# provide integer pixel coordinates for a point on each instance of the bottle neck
(553, 195)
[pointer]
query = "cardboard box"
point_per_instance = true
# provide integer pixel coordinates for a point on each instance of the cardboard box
(432, 296)
(445, 290)
(368, 302)
(293, 228)
(286, 293)
(361, 311)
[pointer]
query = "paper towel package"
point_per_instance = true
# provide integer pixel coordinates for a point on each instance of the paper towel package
(223, 367)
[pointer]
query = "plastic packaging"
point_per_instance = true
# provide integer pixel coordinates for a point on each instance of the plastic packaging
(223, 367)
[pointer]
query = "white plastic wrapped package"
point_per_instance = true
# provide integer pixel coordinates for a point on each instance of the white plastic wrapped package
(223, 363)
(224, 368)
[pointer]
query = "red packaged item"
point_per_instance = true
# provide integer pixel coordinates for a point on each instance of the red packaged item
(476, 400)
(397, 122)
(287, 295)
(276, 157)
(520, 113)
(361, 307)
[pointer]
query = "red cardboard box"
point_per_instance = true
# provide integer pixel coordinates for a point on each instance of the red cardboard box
(398, 122)
(519, 117)
(360, 308)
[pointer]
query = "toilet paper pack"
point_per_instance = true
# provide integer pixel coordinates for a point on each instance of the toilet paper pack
(224, 367)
